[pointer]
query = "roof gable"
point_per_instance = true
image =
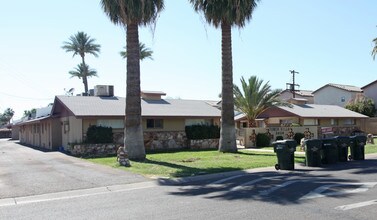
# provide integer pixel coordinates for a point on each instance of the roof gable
(347, 88)
(370, 84)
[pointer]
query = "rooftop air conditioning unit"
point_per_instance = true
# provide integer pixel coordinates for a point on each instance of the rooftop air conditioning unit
(104, 90)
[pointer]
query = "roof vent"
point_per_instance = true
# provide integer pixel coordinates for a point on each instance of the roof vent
(104, 90)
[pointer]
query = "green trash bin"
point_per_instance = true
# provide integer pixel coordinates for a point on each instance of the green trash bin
(357, 146)
(330, 153)
(284, 150)
(313, 152)
(342, 142)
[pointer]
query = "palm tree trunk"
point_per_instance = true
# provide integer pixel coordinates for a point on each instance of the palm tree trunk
(84, 78)
(134, 141)
(228, 131)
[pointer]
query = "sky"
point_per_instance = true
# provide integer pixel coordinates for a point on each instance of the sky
(325, 41)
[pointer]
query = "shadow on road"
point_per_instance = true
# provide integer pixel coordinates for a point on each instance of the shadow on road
(280, 187)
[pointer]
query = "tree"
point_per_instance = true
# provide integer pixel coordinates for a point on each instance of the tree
(83, 71)
(30, 113)
(362, 105)
(145, 52)
(81, 44)
(374, 51)
(255, 97)
(6, 116)
(224, 14)
(131, 14)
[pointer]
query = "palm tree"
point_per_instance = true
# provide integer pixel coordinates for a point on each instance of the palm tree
(225, 14)
(83, 71)
(255, 97)
(131, 14)
(374, 51)
(81, 44)
(145, 52)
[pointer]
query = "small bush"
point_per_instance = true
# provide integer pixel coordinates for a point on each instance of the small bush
(298, 137)
(263, 140)
(199, 132)
(99, 135)
(279, 138)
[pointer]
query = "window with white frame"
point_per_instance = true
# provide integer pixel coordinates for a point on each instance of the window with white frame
(111, 123)
(310, 121)
(334, 121)
(155, 123)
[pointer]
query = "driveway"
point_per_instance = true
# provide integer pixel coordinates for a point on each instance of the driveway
(26, 171)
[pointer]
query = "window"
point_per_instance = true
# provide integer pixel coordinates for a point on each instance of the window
(334, 121)
(310, 121)
(111, 123)
(189, 122)
(155, 123)
(349, 121)
(244, 124)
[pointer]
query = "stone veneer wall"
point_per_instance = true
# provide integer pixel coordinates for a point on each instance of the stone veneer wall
(165, 140)
(204, 144)
(93, 150)
(152, 141)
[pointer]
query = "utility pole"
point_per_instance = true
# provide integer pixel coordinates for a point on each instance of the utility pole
(292, 86)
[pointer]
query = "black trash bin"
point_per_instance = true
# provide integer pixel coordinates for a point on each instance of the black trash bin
(330, 153)
(342, 142)
(357, 146)
(284, 150)
(313, 152)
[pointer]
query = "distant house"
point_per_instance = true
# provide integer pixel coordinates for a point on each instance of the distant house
(370, 91)
(312, 118)
(301, 94)
(163, 120)
(308, 115)
(335, 94)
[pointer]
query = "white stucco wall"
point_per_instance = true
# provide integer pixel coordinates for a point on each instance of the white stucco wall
(333, 96)
(71, 130)
(371, 92)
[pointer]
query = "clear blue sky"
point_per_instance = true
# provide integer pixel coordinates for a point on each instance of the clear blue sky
(326, 41)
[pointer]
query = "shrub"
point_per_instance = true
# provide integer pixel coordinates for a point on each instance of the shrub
(99, 135)
(199, 132)
(279, 138)
(298, 137)
(263, 140)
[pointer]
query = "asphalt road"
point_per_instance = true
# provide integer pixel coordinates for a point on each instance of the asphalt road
(26, 171)
(341, 191)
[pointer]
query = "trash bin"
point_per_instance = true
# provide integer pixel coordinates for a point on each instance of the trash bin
(357, 146)
(313, 152)
(342, 142)
(284, 150)
(330, 153)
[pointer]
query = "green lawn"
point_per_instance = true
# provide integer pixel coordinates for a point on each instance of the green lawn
(191, 163)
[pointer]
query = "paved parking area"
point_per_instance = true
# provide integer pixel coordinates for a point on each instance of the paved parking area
(26, 171)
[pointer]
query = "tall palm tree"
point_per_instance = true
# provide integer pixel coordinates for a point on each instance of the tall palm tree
(81, 44)
(83, 71)
(374, 51)
(145, 52)
(131, 14)
(255, 97)
(224, 14)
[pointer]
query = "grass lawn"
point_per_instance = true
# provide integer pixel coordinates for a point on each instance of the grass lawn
(191, 163)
